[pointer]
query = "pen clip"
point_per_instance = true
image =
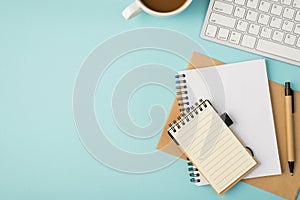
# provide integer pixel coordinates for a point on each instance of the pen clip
(293, 103)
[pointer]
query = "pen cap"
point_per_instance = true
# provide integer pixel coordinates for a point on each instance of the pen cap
(288, 90)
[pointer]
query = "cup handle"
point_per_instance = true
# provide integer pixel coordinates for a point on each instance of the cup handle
(132, 10)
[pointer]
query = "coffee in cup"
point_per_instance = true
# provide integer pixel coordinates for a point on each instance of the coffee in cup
(160, 8)
(163, 6)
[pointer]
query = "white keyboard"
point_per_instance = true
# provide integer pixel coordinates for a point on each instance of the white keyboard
(269, 28)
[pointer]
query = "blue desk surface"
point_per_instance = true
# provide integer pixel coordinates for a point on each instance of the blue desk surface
(43, 44)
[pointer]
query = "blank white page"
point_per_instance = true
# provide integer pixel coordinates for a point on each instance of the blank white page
(241, 90)
(213, 148)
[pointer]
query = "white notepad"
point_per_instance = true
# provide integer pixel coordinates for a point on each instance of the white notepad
(212, 147)
(241, 90)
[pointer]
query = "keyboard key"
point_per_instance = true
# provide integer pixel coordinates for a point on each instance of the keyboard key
(288, 26)
(298, 43)
(296, 3)
(222, 20)
(276, 9)
(211, 31)
(235, 37)
(263, 19)
(254, 29)
(223, 34)
(222, 7)
(290, 39)
(278, 50)
(264, 6)
(297, 18)
(252, 3)
(248, 41)
(278, 36)
(276, 22)
(266, 32)
(239, 12)
(297, 29)
(251, 15)
(288, 13)
(240, 2)
(286, 2)
(242, 25)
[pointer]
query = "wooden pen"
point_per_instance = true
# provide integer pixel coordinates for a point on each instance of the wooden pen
(289, 110)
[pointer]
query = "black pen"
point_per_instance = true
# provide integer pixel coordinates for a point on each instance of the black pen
(289, 110)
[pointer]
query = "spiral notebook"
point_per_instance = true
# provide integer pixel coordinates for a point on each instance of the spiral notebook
(271, 184)
(241, 90)
(212, 147)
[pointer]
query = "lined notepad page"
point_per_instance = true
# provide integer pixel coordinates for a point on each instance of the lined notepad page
(213, 148)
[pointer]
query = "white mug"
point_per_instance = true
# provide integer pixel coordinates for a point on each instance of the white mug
(137, 7)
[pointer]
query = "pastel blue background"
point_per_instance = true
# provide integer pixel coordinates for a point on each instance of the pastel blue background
(42, 46)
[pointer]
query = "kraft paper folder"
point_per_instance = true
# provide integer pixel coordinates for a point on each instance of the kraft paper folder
(283, 185)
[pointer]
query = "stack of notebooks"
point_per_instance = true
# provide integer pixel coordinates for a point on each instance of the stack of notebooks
(219, 154)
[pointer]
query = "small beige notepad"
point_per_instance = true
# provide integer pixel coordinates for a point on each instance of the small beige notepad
(212, 147)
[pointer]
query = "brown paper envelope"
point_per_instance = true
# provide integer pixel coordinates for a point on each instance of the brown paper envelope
(283, 185)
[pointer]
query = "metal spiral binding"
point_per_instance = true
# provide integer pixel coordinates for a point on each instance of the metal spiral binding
(194, 173)
(182, 93)
(188, 115)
